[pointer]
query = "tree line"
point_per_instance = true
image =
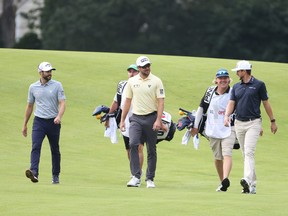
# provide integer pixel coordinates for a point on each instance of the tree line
(237, 29)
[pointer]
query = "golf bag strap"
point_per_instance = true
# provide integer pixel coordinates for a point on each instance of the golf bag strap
(201, 112)
(120, 88)
(208, 97)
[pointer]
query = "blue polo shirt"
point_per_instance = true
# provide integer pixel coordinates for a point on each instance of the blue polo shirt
(46, 97)
(248, 97)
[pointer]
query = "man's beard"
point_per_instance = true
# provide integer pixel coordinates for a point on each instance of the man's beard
(47, 78)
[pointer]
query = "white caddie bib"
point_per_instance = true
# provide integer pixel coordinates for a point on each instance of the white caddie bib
(215, 117)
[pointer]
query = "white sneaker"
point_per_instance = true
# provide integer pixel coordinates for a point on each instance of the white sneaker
(219, 188)
(134, 182)
(150, 184)
(253, 189)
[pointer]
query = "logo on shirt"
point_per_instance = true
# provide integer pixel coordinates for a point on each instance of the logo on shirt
(221, 112)
(161, 91)
(136, 86)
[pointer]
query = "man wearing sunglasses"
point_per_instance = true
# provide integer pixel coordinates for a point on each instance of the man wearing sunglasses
(246, 97)
(145, 92)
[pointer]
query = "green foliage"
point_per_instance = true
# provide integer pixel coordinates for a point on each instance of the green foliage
(259, 28)
(227, 29)
(29, 41)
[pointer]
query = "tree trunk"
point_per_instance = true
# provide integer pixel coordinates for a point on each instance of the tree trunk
(8, 23)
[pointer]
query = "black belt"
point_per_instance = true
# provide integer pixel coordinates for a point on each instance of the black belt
(149, 114)
(247, 119)
(44, 118)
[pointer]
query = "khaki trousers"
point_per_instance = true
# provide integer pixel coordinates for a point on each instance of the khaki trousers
(248, 133)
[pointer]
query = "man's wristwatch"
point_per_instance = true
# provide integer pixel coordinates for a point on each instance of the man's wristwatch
(273, 120)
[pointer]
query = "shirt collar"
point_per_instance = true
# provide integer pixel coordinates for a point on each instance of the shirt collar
(147, 78)
(227, 90)
(46, 84)
(250, 81)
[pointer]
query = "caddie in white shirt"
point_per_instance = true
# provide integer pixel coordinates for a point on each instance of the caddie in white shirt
(221, 138)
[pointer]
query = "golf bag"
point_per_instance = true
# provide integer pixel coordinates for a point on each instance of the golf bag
(188, 122)
(162, 135)
(117, 113)
(189, 119)
(171, 128)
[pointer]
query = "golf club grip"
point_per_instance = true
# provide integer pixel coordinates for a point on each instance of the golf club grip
(186, 111)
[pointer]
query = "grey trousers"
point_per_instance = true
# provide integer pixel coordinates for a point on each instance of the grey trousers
(141, 130)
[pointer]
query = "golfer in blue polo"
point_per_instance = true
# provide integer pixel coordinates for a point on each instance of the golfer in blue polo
(49, 97)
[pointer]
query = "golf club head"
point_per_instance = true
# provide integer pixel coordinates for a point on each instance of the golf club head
(183, 123)
(99, 109)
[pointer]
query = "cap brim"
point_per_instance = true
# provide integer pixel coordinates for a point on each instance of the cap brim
(132, 68)
(50, 69)
(141, 65)
(221, 76)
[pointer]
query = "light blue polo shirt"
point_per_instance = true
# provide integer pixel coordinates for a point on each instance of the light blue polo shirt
(46, 97)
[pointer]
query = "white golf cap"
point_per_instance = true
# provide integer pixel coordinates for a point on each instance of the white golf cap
(242, 65)
(45, 66)
(142, 60)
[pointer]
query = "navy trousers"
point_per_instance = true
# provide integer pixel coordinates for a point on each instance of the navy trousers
(42, 128)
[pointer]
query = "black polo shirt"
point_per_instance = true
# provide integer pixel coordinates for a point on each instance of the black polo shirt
(248, 97)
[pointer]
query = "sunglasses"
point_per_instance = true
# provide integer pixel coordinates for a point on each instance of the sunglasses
(146, 66)
(222, 73)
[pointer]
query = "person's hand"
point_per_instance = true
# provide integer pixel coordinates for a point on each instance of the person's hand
(226, 121)
(274, 127)
(194, 131)
(106, 123)
(122, 126)
(57, 120)
(24, 130)
(261, 132)
(157, 125)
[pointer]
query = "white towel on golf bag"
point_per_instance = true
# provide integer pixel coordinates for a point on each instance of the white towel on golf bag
(111, 131)
(186, 137)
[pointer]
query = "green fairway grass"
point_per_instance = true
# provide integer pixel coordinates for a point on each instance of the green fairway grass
(95, 172)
